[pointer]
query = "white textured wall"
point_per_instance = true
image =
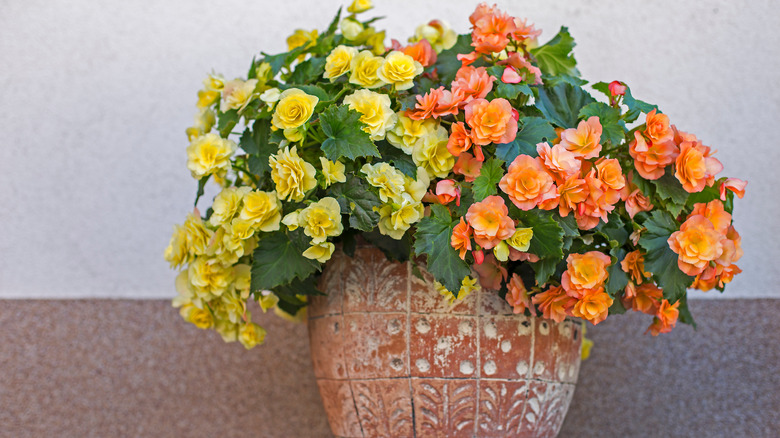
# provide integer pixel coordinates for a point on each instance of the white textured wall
(96, 96)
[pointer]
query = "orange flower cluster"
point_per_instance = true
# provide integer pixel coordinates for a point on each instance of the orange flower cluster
(493, 29)
(707, 246)
(644, 296)
(561, 178)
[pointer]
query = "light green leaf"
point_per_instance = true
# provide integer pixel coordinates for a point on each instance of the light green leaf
(555, 57)
(227, 121)
(613, 129)
(486, 184)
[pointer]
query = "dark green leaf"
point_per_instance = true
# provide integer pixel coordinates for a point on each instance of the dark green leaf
(278, 260)
(356, 199)
(447, 63)
(548, 234)
(533, 130)
(398, 158)
(258, 147)
(660, 259)
(466, 200)
(396, 250)
(613, 129)
(201, 187)
(555, 57)
(704, 196)
(486, 184)
(552, 81)
(618, 279)
(562, 103)
(635, 106)
(669, 188)
(433, 239)
(307, 71)
(227, 121)
(685, 313)
(544, 269)
(614, 231)
(308, 286)
(504, 90)
(617, 307)
(346, 137)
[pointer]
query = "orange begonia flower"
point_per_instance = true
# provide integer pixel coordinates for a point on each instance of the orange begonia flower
(657, 129)
(491, 32)
(448, 190)
(482, 10)
(650, 159)
(585, 140)
(490, 272)
(426, 104)
(491, 122)
(593, 306)
(524, 31)
(611, 174)
(559, 162)
(715, 212)
(517, 296)
(644, 298)
(490, 221)
(585, 271)
(570, 193)
(633, 264)
(422, 52)
(695, 168)
(523, 68)
(554, 303)
(735, 185)
(461, 238)
(472, 83)
(460, 139)
(635, 200)
(467, 165)
(527, 183)
(665, 319)
(696, 244)
(447, 103)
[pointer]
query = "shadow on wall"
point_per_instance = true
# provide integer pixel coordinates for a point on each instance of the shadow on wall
(133, 368)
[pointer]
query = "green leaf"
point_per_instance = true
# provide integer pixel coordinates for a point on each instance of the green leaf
(447, 63)
(227, 121)
(356, 199)
(685, 313)
(704, 196)
(603, 87)
(544, 269)
(466, 200)
(533, 130)
(504, 90)
(613, 129)
(307, 71)
(278, 260)
(555, 57)
(308, 286)
(552, 81)
(398, 250)
(617, 307)
(618, 279)
(562, 103)
(201, 188)
(486, 184)
(668, 188)
(346, 137)
(548, 234)
(660, 259)
(635, 106)
(433, 239)
(256, 144)
(398, 158)
(614, 231)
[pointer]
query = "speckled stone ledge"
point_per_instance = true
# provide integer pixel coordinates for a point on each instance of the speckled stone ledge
(102, 368)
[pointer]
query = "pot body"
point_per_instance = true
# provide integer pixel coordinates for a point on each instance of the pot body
(392, 357)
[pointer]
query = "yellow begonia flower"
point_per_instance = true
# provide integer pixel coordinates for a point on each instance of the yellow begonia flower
(521, 240)
(359, 6)
(263, 72)
(251, 335)
(501, 251)
(377, 43)
(209, 277)
(242, 283)
(320, 251)
(389, 180)
(231, 307)
(301, 38)
(394, 220)
(204, 121)
(350, 28)
(587, 345)
(263, 210)
(375, 112)
(399, 69)
(339, 61)
(201, 318)
(408, 132)
(293, 134)
(232, 241)
(237, 94)
(271, 96)
(467, 286)
(299, 316)
(332, 172)
(321, 219)
(364, 67)
(294, 108)
(438, 33)
(292, 175)
(431, 153)
(226, 204)
(206, 98)
(189, 240)
(291, 220)
(417, 188)
(214, 82)
(267, 300)
(227, 330)
(209, 154)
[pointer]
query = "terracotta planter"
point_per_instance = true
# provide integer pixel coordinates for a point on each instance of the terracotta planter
(393, 358)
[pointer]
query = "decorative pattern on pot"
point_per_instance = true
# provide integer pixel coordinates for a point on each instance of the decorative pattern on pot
(392, 357)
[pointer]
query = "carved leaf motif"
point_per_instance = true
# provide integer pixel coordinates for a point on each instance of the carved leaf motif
(383, 409)
(446, 408)
(501, 409)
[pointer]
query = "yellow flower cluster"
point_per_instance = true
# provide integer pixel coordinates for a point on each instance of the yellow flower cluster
(367, 70)
(402, 197)
(375, 111)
